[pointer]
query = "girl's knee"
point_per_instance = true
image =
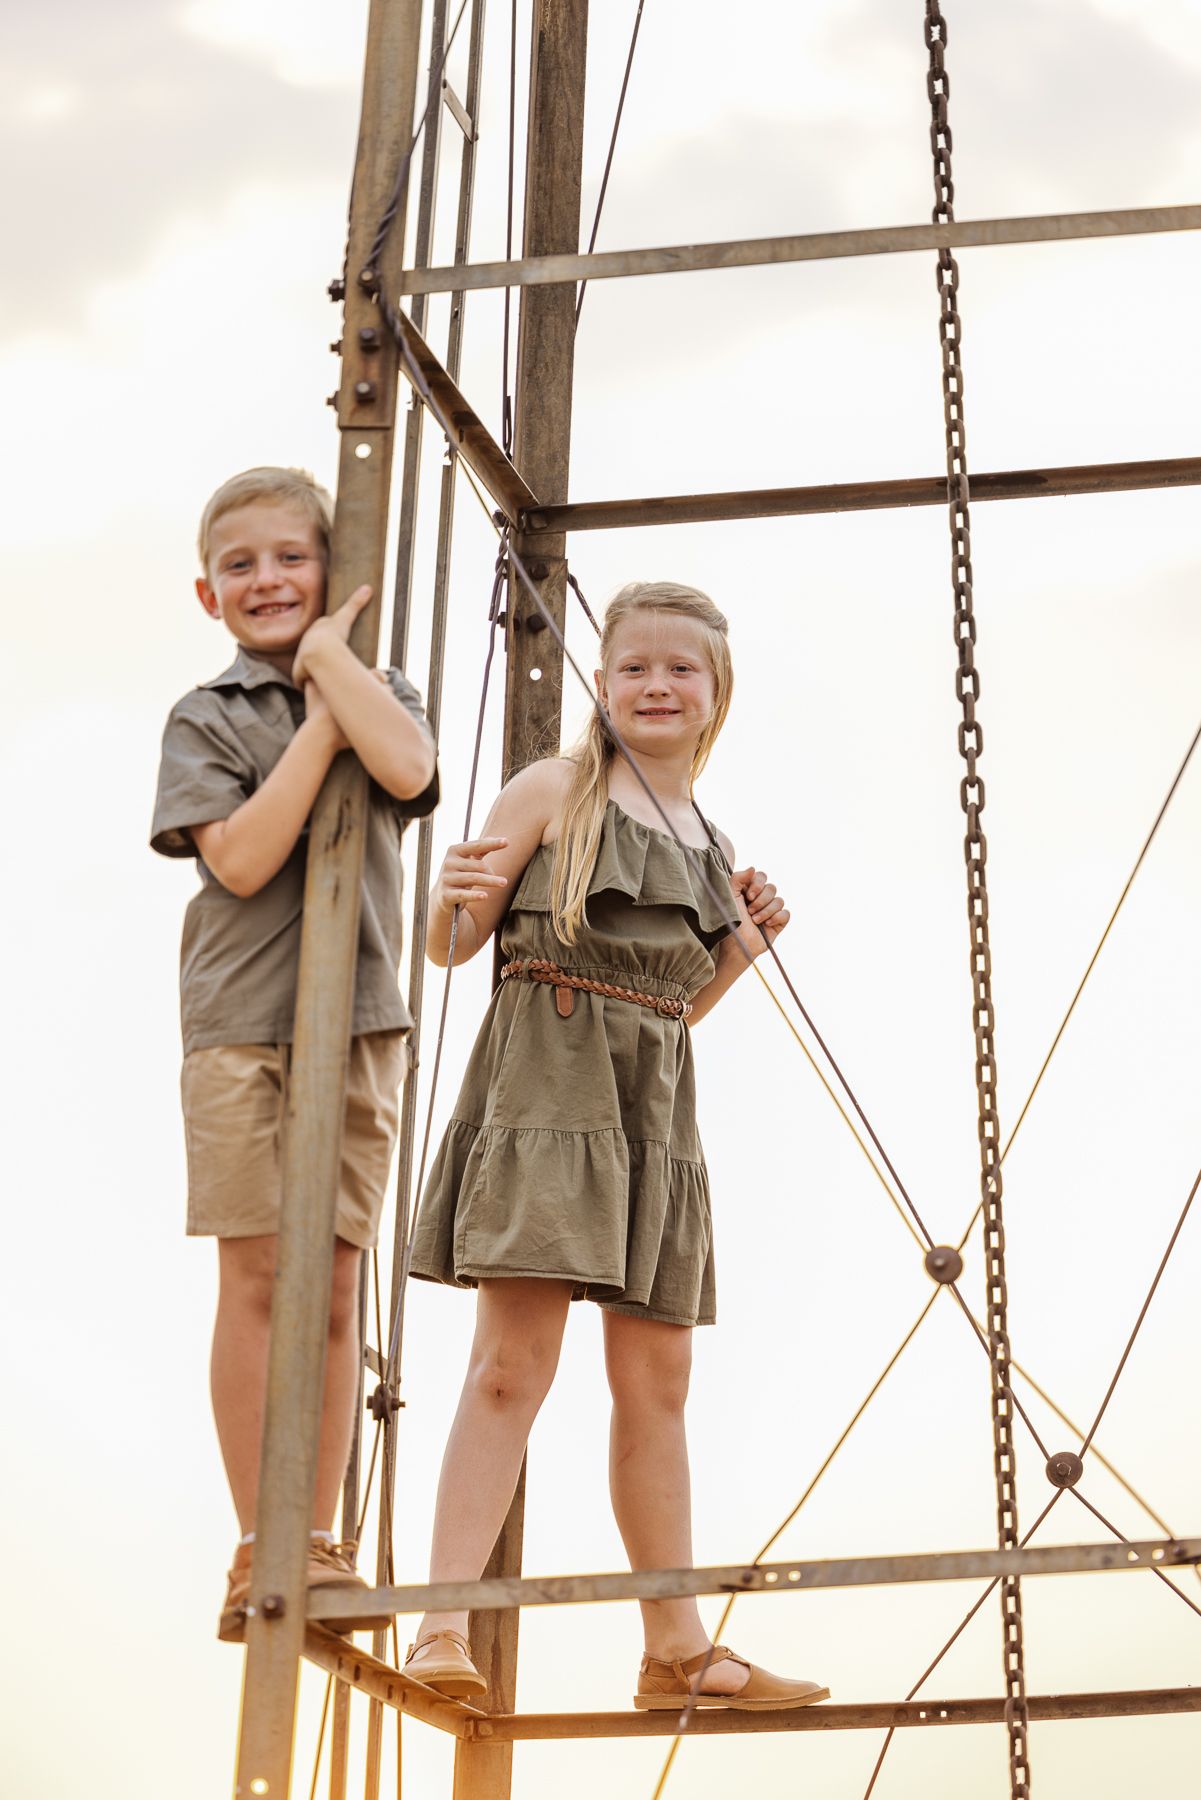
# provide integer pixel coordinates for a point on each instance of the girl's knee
(648, 1363)
(512, 1377)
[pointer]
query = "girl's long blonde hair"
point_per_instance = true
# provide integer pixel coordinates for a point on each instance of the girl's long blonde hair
(588, 792)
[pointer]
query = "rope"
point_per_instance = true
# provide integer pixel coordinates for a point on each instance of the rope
(579, 305)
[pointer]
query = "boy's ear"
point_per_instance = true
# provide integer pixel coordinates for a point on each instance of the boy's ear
(207, 598)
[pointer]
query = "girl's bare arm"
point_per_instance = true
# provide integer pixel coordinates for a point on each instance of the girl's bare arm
(481, 877)
(763, 916)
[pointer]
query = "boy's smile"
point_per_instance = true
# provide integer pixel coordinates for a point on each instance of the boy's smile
(266, 579)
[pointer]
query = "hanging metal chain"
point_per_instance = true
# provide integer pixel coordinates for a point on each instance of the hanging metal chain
(975, 848)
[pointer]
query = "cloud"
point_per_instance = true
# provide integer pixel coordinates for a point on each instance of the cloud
(119, 124)
(311, 43)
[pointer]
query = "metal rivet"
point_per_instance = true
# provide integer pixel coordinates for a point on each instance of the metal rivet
(538, 571)
(364, 392)
(1064, 1469)
(369, 339)
(274, 1606)
(943, 1264)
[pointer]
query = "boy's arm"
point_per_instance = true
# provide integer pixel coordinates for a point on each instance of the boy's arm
(392, 745)
(245, 850)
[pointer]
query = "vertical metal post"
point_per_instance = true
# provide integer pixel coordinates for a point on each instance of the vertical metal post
(427, 201)
(300, 1310)
(339, 1742)
(534, 701)
(433, 700)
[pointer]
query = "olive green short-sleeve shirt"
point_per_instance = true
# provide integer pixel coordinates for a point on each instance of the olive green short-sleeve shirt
(239, 958)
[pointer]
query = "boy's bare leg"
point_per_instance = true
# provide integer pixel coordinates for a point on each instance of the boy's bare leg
(239, 1370)
(518, 1333)
(648, 1365)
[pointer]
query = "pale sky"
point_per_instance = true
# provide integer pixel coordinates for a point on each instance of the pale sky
(175, 204)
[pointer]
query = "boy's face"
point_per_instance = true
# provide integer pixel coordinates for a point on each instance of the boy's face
(267, 578)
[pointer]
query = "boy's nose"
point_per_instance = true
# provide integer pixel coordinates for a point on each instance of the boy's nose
(267, 572)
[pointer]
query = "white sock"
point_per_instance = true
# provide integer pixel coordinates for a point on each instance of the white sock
(327, 1535)
(248, 1539)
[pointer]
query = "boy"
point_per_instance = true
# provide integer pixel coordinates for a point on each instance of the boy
(244, 757)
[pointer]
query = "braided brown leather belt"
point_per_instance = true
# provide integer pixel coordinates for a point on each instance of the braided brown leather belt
(538, 970)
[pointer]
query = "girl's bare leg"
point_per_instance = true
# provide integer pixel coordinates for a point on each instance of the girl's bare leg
(518, 1333)
(648, 1365)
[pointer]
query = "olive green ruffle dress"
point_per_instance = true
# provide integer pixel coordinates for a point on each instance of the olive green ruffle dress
(573, 1152)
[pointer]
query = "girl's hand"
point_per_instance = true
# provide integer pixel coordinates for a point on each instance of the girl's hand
(333, 627)
(465, 875)
(761, 909)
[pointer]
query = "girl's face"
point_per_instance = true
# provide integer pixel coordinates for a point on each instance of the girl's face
(658, 685)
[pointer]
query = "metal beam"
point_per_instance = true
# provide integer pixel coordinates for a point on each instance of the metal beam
(745, 253)
(862, 496)
(766, 1578)
(383, 1683)
(275, 1623)
(473, 441)
(355, 1668)
(715, 1722)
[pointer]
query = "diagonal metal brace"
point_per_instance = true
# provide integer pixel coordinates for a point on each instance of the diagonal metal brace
(472, 440)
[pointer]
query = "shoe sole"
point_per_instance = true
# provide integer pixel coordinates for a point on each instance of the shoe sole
(450, 1687)
(724, 1702)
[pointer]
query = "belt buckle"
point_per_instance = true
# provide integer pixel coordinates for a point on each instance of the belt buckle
(666, 1007)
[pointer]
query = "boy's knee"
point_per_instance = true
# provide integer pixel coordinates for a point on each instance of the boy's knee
(248, 1273)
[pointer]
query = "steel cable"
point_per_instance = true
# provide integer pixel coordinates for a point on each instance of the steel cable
(579, 305)
(957, 1633)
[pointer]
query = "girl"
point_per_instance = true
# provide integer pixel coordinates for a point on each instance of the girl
(571, 1167)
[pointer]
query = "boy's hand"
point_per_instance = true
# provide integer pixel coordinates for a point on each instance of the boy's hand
(761, 909)
(316, 712)
(465, 875)
(332, 627)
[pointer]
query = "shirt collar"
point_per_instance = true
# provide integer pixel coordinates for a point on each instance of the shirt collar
(249, 671)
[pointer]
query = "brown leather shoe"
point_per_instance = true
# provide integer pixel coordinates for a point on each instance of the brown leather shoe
(330, 1566)
(442, 1660)
(664, 1686)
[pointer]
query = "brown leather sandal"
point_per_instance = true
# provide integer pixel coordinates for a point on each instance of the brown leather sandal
(447, 1667)
(664, 1686)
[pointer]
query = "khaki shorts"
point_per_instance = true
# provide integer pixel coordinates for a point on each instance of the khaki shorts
(233, 1108)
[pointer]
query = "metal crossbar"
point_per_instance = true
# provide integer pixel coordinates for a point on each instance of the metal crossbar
(760, 1578)
(821, 246)
(371, 1677)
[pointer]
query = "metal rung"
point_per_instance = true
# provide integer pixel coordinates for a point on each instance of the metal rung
(761, 1578)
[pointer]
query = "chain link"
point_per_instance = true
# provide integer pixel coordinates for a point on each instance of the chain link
(975, 849)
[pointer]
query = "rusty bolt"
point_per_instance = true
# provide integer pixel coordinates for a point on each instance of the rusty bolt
(369, 280)
(273, 1606)
(501, 618)
(369, 339)
(331, 400)
(943, 1264)
(364, 392)
(337, 289)
(535, 622)
(1065, 1469)
(538, 571)
(336, 348)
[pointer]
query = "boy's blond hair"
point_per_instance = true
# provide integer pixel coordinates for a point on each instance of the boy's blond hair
(294, 488)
